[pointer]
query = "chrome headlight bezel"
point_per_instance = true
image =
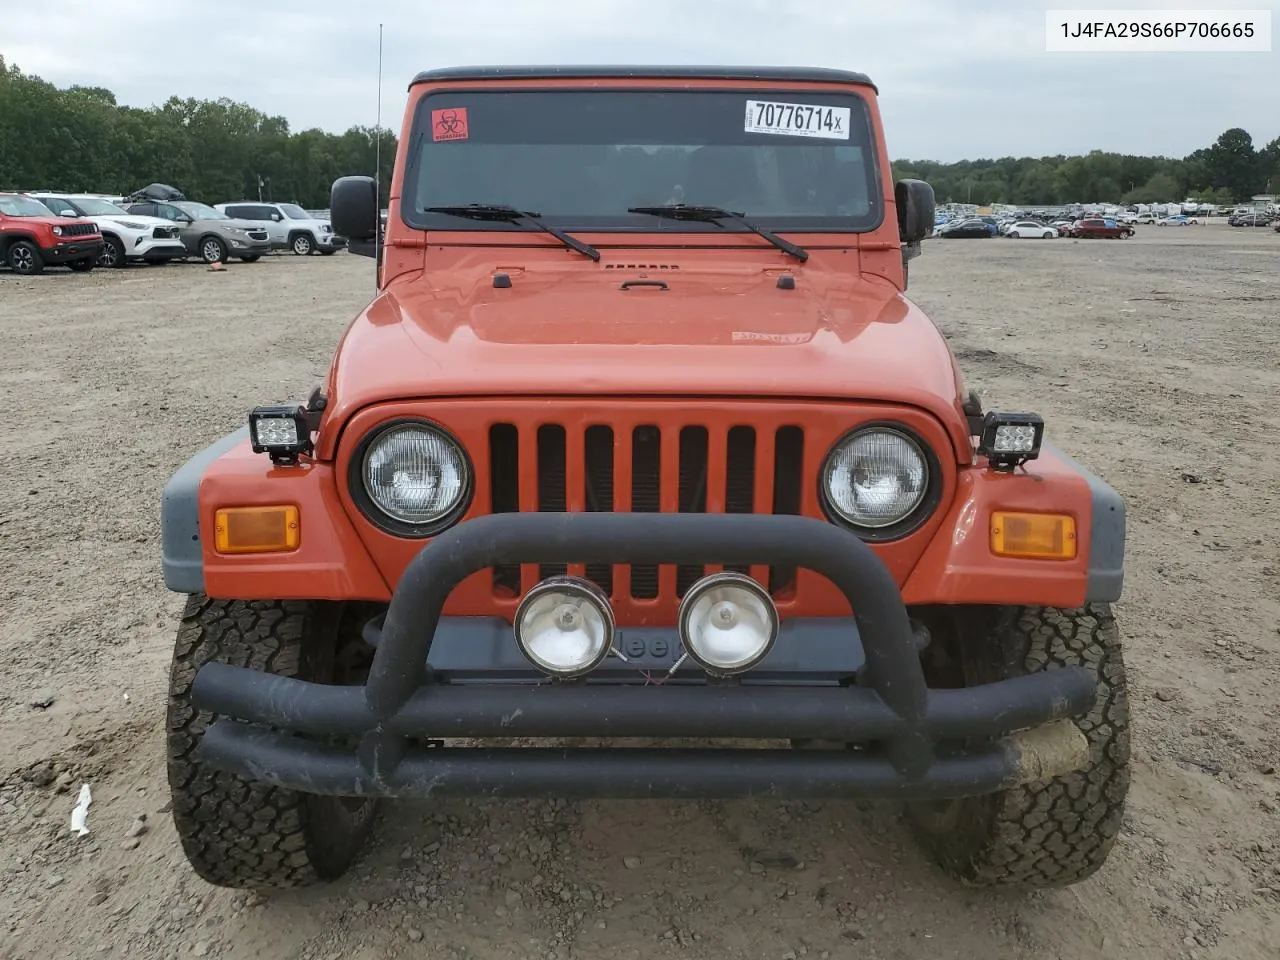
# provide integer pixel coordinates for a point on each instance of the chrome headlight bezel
(373, 511)
(917, 516)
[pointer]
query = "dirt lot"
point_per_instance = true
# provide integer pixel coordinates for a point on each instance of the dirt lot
(1153, 360)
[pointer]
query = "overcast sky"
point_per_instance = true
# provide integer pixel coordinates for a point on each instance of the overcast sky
(958, 78)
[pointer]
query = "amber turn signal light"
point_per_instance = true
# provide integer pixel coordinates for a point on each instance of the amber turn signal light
(1043, 536)
(271, 529)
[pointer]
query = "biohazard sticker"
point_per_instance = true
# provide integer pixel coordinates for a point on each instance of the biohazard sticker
(451, 124)
(797, 120)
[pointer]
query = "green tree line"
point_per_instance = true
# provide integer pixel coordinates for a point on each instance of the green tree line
(1229, 171)
(80, 139)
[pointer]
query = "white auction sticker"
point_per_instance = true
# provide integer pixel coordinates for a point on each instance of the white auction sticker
(1153, 31)
(797, 119)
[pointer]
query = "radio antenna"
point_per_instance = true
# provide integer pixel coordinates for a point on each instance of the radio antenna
(377, 161)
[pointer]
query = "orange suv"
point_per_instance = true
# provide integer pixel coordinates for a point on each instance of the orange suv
(641, 438)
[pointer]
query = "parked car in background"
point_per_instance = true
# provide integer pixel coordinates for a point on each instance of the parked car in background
(1254, 219)
(1177, 220)
(208, 233)
(32, 237)
(288, 226)
(1030, 229)
(972, 228)
(125, 236)
(1100, 228)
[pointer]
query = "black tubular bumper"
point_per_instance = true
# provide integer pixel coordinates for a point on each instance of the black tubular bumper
(917, 742)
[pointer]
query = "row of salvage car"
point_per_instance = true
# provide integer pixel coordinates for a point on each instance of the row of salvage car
(155, 225)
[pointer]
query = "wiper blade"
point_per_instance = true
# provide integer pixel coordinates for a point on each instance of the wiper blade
(502, 211)
(681, 211)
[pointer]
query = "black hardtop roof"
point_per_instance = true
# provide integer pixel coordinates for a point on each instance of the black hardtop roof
(588, 71)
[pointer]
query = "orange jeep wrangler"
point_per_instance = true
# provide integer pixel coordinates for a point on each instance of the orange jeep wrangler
(640, 439)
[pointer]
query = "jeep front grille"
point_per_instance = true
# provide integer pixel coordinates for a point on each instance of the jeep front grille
(79, 229)
(643, 469)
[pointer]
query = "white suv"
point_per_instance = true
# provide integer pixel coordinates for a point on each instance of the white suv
(289, 226)
(125, 236)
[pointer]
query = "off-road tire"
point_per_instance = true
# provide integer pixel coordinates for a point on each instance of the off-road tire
(302, 244)
(237, 832)
(24, 258)
(213, 250)
(1053, 832)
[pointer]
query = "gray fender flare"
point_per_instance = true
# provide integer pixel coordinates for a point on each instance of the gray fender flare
(181, 555)
(1106, 535)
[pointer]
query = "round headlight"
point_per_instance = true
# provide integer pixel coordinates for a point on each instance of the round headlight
(875, 478)
(728, 623)
(415, 474)
(564, 626)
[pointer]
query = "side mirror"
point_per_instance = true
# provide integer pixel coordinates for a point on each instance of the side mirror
(184, 218)
(353, 211)
(276, 217)
(68, 213)
(914, 200)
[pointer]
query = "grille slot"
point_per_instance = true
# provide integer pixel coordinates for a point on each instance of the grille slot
(788, 480)
(597, 450)
(693, 492)
(504, 492)
(646, 483)
(551, 483)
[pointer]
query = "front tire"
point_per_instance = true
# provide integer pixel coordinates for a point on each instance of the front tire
(24, 258)
(303, 245)
(213, 250)
(1053, 832)
(112, 253)
(243, 833)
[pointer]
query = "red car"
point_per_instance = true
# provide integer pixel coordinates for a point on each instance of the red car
(32, 237)
(1100, 228)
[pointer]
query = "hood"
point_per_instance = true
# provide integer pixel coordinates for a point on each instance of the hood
(726, 330)
(131, 218)
(56, 221)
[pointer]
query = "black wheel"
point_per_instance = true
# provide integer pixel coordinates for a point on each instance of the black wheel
(213, 250)
(242, 833)
(303, 245)
(112, 253)
(24, 258)
(1053, 832)
(83, 266)
(252, 258)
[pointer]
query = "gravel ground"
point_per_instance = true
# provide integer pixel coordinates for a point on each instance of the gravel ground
(1153, 361)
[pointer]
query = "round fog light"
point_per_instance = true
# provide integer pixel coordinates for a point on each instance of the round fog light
(564, 626)
(728, 623)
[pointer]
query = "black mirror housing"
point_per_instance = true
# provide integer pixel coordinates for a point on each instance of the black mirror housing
(353, 208)
(915, 203)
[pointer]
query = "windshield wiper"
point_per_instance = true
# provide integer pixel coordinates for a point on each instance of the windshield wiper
(680, 211)
(501, 211)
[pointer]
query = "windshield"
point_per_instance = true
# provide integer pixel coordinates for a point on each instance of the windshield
(102, 208)
(295, 212)
(581, 158)
(14, 206)
(199, 210)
